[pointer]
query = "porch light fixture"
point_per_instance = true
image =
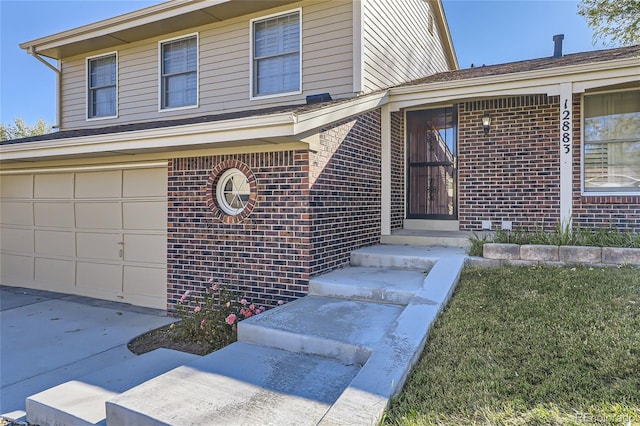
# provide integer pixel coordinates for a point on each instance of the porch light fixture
(486, 122)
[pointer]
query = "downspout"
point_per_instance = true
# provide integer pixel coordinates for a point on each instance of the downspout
(31, 51)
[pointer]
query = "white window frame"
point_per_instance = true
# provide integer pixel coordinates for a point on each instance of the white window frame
(88, 89)
(220, 192)
(583, 192)
(252, 82)
(160, 77)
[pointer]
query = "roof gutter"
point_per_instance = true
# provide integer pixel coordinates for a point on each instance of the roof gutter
(31, 51)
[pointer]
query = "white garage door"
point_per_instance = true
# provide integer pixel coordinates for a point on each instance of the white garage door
(98, 233)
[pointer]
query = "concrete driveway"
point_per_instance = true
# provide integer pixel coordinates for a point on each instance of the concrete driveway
(49, 338)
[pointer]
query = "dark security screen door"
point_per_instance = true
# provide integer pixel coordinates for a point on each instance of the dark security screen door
(431, 144)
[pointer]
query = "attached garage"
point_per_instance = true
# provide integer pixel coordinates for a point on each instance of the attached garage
(98, 232)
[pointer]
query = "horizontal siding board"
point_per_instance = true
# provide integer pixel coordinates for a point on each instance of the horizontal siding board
(224, 68)
(397, 44)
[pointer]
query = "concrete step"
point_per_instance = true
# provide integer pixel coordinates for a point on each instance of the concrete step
(82, 401)
(402, 256)
(428, 238)
(238, 384)
(431, 225)
(341, 329)
(396, 286)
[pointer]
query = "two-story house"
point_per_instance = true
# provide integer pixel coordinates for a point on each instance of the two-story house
(196, 140)
(259, 143)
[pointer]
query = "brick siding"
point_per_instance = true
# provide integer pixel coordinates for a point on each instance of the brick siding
(311, 210)
(513, 173)
(397, 171)
(345, 191)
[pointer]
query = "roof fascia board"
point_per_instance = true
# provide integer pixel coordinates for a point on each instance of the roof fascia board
(527, 82)
(282, 126)
(306, 122)
(276, 125)
(122, 22)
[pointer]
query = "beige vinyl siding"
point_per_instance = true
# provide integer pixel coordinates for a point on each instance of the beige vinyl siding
(224, 68)
(398, 46)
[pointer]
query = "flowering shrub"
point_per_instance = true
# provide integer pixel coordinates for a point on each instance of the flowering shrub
(212, 317)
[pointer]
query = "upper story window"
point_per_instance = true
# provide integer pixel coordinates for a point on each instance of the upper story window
(611, 148)
(179, 73)
(102, 86)
(276, 52)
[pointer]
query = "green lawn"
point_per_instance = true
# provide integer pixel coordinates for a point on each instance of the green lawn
(532, 346)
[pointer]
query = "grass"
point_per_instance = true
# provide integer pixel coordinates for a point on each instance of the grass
(531, 346)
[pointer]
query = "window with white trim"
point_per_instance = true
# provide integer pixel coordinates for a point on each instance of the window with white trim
(233, 191)
(179, 73)
(102, 86)
(276, 54)
(611, 147)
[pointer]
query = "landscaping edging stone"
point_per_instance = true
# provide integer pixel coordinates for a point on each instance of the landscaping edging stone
(500, 254)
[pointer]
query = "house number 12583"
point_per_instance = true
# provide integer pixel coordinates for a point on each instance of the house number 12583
(565, 124)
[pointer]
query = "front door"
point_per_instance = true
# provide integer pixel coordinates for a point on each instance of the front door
(431, 146)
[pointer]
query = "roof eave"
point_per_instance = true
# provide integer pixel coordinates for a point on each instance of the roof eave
(273, 128)
(525, 82)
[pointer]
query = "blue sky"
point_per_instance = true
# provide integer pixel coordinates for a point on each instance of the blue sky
(483, 32)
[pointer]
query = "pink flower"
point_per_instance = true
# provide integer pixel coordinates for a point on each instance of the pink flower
(197, 309)
(247, 313)
(215, 287)
(231, 319)
(242, 311)
(244, 301)
(280, 302)
(185, 295)
(210, 280)
(252, 307)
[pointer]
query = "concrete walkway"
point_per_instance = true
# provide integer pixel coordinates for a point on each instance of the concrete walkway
(334, 357)
(50, 338)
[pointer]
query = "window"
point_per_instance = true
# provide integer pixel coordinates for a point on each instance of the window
(276, 51)
(179, 73)
(233, 192)
(611, 148)
(102, 87)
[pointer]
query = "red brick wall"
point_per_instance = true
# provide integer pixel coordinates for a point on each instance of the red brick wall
(266, 256)
(311, 210)
(345, 191)
(398, 163)
(590, 211)
(513, 173)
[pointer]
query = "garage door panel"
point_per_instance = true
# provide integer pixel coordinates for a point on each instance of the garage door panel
(98, 246)
(145, 215)
(16, 213)
(54, 185)
(17, 240)
(107, 184)
(16, 270)
(147, 281)
(55, 214)
(55, 274)
(18, 186)
(98, 215)
(145, 248)
(60, 243)
(99, 276)
(145, 183)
